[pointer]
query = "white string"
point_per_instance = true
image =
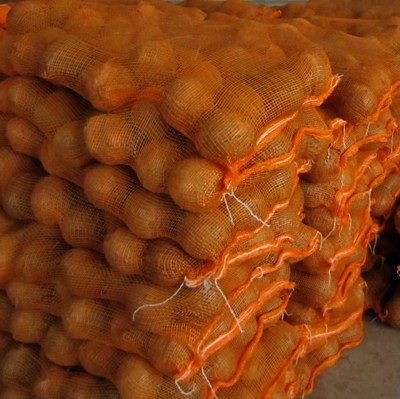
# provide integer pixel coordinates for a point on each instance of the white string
(261, 275)
(297, 360)
(367, 130)
(329, 278)
(332, 229)
(232, 312)
(398, 272)
(208, 383)
(153, 305)
(309, 332)
(207, 286)
(182, 391)
(232, 194)
(284, 313)
(328, 156)
(228, 209)
(321, 240)
(291, 394)
(374, 319)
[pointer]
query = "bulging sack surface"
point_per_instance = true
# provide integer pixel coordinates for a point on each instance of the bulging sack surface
(188, 195)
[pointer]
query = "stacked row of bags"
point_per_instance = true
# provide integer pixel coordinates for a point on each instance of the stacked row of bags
(188, 194)
(378, 22)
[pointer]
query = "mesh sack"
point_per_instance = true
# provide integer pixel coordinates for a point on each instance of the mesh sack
(246, 74)
(346, 10)
(169, 198)
(377, 88)
(38, 378)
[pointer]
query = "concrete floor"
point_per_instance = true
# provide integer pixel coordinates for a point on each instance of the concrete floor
(370, 371)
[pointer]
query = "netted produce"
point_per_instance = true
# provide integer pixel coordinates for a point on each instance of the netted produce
(373, 24)
(189, 193)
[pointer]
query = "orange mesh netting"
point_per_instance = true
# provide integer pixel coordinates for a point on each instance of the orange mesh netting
(189, 194)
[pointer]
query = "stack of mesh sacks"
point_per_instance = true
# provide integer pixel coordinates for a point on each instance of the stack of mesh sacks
(185, 204)
(373, 26)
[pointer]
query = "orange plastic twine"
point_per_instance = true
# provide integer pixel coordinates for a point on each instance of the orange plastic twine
(4, 9)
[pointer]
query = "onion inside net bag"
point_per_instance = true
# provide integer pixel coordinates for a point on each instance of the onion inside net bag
(189, 194)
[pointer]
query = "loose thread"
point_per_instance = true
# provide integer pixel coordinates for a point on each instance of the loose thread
(309, 338)
(182, 391)
(332, 229)
(296, 362)
(230, 216)
(373, 249)
(153, 305)
(207, 286)
(208, 383)
(367, 130)
(329, 278)
(284, 314)
(328, 155)
(232, 312)
(232, 194)
(374, 319)
(261, 275)
(321, 241)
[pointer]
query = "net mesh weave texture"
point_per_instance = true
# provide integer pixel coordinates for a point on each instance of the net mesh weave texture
(188, 194)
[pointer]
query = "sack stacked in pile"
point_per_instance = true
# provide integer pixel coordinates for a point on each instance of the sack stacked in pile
(375, 24)
(182, 212)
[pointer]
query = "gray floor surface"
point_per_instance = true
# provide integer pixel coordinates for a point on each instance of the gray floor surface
(370, 371)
